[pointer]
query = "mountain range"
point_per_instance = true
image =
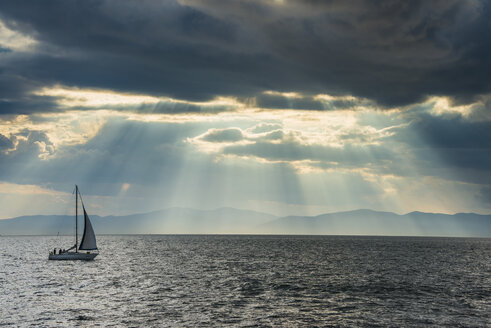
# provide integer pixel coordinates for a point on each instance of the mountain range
(235, 221)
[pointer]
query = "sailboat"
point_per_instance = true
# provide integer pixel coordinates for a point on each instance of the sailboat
(87, 250)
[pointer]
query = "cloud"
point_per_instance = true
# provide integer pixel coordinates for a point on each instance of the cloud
(76, 99)
(348, 157)
(368, 159)
(349, 148)
(225, 135)
(11, 40)
(394, 54)
(462, 147)
(448, 147)
(294, 100)
(375, 143)
(281, 102)
(271, 135)
(5, 143)
(264, 127)
(411, 79)
(121, 152)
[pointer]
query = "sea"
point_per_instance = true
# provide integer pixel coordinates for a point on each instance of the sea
(248, 281)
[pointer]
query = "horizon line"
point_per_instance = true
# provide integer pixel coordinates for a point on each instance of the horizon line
(250, 210)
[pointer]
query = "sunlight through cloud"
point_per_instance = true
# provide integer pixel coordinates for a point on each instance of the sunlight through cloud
(11, 39)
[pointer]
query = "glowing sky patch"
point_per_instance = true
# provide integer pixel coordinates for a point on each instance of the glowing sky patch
(11, 188)
(101, 99)
(94, 98)
(69, 128)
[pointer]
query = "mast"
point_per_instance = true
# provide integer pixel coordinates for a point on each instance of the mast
(76, 219)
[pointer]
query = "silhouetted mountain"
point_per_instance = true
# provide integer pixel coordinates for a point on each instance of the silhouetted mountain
(229, 220)
(184, 220)
(172, 220)
(368, 222)
(41, 225)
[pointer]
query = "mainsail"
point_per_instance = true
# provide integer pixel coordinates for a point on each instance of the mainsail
(88, 239)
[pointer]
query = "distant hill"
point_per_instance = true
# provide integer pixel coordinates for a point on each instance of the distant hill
(368, 222)
(184, 221)
(172, 220)
(232, 221)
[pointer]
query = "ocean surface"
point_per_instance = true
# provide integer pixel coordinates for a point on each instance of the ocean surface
(248, 281)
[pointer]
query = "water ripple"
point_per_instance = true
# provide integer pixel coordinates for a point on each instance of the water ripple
(248, 281)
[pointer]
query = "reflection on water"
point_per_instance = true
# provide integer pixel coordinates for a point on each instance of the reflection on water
(248, 280)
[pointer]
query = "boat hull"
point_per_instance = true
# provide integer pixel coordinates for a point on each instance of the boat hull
(70, 256)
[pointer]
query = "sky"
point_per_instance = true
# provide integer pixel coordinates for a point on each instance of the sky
(294, 107)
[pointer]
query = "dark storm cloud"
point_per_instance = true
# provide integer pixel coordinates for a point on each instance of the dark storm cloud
(169, 107)
(16, 95)
(281, 102)
(394, 52)
(462, 148)
(28, 105)
(452, 132)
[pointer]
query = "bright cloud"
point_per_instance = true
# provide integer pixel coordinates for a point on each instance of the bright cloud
(14, 40)
(107, 99)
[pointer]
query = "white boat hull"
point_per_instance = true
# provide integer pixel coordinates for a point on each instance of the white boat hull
(73, 256)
